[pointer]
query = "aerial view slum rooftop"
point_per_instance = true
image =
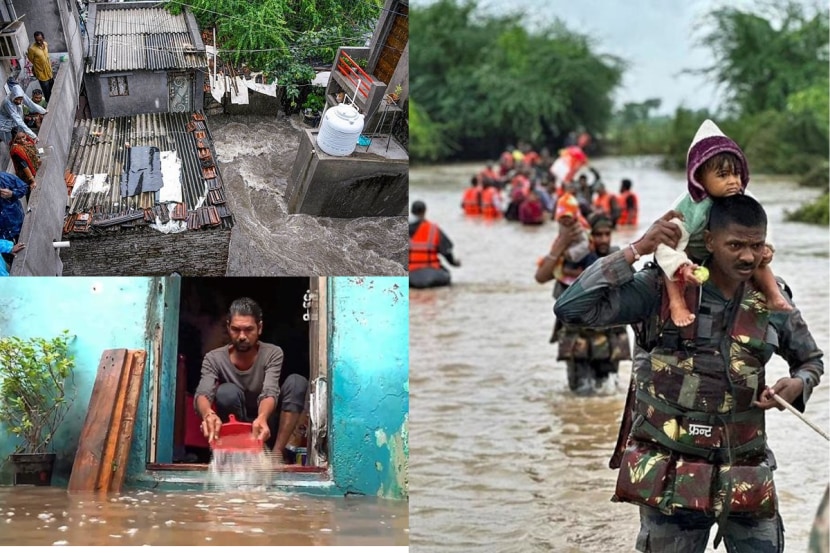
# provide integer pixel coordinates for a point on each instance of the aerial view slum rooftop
(153, 170)
(129, 39)
(140, 185)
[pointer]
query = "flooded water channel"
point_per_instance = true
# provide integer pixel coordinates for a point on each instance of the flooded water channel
(50, 516)
(504, 457)
(256, 155)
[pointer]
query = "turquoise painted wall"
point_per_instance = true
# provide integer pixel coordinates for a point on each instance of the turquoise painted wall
(368, 337)
(102, 313)
(369, 384)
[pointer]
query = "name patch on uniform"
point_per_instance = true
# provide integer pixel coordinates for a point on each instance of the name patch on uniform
(700, 430)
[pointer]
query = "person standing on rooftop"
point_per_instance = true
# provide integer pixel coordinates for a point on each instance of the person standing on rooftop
(38, 54)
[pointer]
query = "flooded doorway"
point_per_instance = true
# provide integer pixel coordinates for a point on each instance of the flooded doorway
(290, 321)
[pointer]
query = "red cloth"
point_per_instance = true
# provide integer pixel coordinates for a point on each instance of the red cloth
(531, 212)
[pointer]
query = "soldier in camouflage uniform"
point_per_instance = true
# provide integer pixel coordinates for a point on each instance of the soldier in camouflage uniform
(693, 449)
(591, 355)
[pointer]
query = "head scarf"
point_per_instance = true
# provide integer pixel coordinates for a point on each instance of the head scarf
(709, 141)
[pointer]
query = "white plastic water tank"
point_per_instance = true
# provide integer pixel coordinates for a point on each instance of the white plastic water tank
(340, 129)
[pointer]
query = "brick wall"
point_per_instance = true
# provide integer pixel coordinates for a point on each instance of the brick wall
(147, 252)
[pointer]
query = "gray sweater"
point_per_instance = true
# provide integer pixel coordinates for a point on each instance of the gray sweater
(260, 381)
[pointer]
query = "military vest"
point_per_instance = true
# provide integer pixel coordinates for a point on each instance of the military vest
(696, 441)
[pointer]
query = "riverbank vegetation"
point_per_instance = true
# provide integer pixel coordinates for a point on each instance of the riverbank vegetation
(283, 38)
(481, 82)
(774, 70)
(484, 81)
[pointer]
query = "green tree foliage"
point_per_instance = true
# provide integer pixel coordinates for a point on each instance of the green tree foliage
(774, 67)
(427, 140)
(816, 212)
(477, 76)
(284, 36)
(634, 130)
(762, 63)
(637, 112)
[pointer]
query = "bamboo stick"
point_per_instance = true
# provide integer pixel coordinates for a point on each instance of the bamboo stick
(783, 402)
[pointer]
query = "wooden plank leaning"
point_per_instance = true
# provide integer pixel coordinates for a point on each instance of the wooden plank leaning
(104, 443)
(125, 434)
(87, 465)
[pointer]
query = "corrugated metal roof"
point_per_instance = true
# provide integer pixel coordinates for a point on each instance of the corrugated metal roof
(99, 147)
(149, 38)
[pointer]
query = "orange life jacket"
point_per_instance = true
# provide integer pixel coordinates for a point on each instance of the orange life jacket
(471, 201)
(423, 247)
(627, 217)
(486, 175)
(488, 202)
(603, 203)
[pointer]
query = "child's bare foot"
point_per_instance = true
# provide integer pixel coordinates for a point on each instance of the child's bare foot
(680, 315)
(777, 302)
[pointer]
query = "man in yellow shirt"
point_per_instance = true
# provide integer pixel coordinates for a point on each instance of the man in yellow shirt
(38, 54)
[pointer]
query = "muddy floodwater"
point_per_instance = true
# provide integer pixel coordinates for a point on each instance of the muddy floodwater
(50, 516)
(503, 457)
(256, 155)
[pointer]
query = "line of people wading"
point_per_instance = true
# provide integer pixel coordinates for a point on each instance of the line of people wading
(541, 188)
(692, 450)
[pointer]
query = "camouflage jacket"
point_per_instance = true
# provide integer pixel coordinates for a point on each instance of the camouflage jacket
(609, 292)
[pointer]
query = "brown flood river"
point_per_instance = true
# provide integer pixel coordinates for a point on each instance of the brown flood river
(503, 457)
(50, 516)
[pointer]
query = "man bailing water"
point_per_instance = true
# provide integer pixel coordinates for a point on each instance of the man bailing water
(247, 372)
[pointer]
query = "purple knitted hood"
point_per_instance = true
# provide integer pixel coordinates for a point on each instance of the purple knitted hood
(709, 141)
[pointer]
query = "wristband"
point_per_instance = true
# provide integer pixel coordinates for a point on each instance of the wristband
(634, 251)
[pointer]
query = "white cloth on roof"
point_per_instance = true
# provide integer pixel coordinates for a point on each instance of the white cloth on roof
(171, 171)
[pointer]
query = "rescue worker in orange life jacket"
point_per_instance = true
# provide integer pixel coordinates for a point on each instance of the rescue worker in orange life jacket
(606, 203)
(629, 205)
(426, 243)
(471, 200)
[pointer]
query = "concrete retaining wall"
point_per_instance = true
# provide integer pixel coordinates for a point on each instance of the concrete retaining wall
(144, 251)
(369, 183)
(47, 204)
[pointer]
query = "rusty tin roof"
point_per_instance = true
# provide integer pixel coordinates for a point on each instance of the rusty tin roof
(146, 38)
(101, 146)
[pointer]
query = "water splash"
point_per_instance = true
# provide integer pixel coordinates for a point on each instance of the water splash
(232, 470)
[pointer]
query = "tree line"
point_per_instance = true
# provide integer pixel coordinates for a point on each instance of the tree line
(480, 82)
(774, 68)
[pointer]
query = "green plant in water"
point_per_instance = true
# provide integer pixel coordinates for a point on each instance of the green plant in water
(33, 388)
